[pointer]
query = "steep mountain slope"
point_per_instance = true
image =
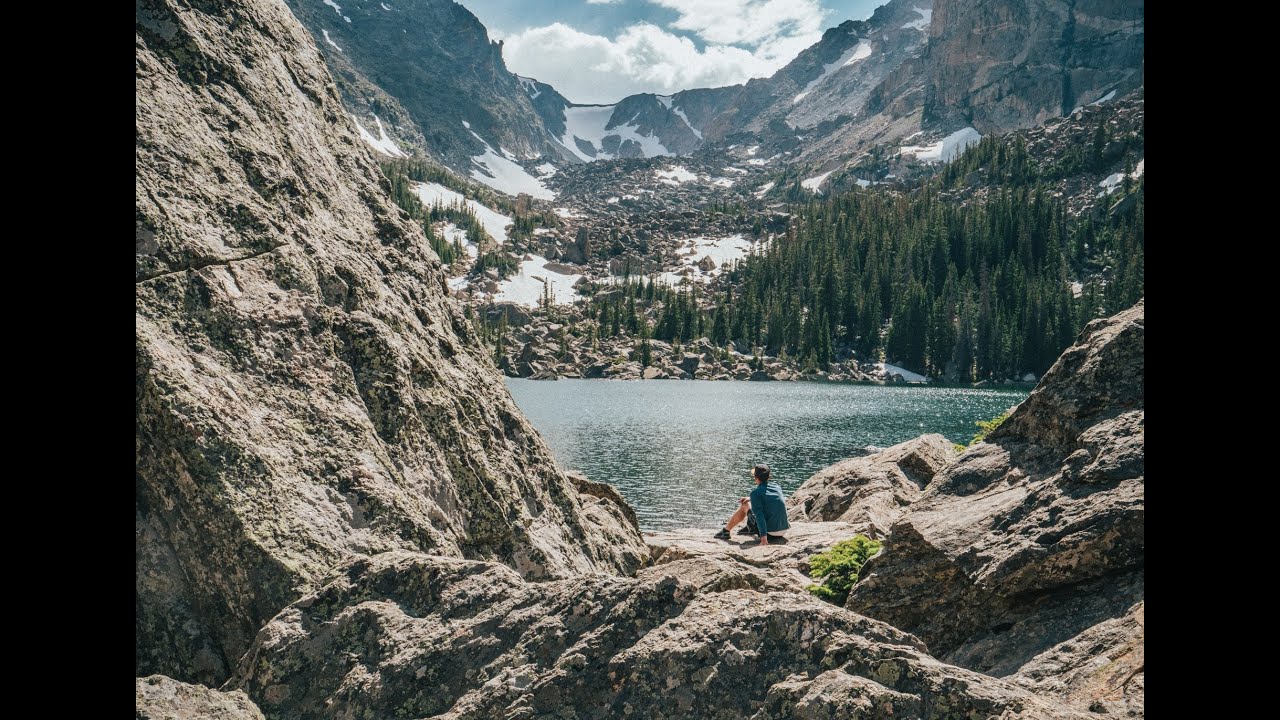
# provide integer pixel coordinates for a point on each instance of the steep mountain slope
(834, 80)
(305, 392)
(425, 76)
(938, 66)
(430, 75)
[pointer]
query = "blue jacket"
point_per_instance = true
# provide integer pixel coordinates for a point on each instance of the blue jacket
(769, 507)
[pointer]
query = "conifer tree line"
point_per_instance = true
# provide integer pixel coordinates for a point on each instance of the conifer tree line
(970, 292)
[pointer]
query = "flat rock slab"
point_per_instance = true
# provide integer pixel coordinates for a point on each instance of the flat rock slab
(787, 561)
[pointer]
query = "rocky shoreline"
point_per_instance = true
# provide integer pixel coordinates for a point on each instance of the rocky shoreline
(540, 349)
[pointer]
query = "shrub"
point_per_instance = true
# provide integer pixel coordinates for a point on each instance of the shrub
(838, 567)
(986, 426)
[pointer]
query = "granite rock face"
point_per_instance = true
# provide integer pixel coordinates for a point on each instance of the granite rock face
(305, 392)
(1036, 535)
(1013, 64)
(404, 633)
(873, 491)
(162, 698)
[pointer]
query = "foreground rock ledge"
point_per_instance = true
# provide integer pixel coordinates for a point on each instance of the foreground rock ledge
(405, 634)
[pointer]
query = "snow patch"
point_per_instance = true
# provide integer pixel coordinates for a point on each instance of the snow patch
(862, 183)
(589, 123)
(815, 182)
(382, 143)
(1112, 182)
(685, 118)
(946, 148)
(676, 175)
(921, 23)
(760, 191)
(503, 174)
(723, 182)
(530, 86)
(453, 233)
(722, 251)
(494, 223)
(330, 40)
(546, 170)
(336, 7)
(665, 100)
(905, 373)
(567, 213)
(1109, 96)
(526, 287)
(861, 51)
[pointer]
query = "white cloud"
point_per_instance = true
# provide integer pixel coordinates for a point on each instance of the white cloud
(590, 68)
(747, 22)
(603, 2)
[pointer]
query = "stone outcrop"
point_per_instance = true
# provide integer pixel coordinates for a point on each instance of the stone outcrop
(873, 491)
(162, 698)
(408, 634)
(1037, 535)
(304, 390)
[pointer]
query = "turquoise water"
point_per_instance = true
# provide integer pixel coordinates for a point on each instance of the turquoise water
(681, 451)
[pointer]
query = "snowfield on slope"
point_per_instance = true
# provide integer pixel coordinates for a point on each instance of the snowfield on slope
(494, 223)
(588, 123)
(861, 51)
(526, 287)
(382, 143)
(946, 149)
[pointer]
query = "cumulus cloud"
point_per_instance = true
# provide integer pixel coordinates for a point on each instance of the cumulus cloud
(742, 39)
(747, 22)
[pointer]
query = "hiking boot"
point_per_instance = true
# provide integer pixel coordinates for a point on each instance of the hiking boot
(722, 535)
(744, 530)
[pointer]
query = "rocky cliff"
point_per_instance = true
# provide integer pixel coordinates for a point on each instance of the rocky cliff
(1016, 63)
(304, 391)
(1023, 553)
(430, 72)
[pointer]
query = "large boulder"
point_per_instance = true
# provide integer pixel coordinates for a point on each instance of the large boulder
(305, 392)
(1036, 535)
(873, 491)
(157, 697)
(405, 634)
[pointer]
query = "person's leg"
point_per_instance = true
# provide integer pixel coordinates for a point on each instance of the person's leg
(744, 507)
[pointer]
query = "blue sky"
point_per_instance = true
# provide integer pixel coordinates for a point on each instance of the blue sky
(599, 51)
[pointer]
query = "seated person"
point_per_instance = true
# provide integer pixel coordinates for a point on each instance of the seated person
(767, 506)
